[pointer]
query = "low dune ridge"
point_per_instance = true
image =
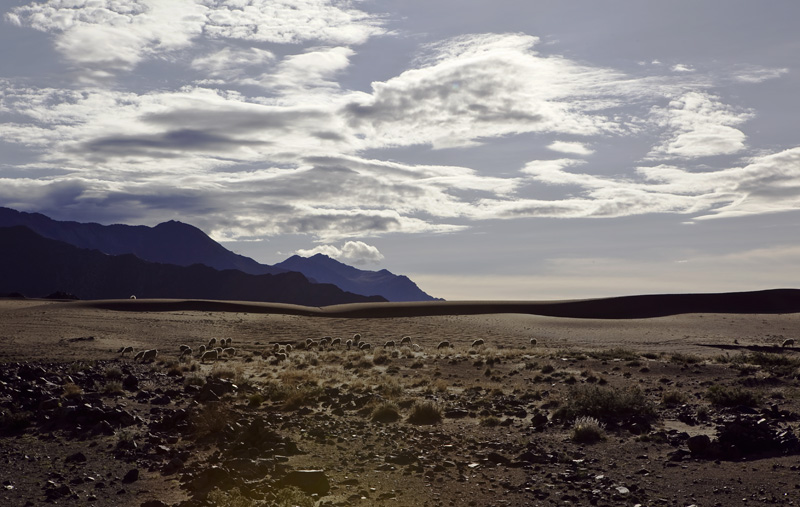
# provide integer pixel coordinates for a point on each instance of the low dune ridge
(623, 307)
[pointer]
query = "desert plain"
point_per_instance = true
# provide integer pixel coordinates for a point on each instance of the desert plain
(675, 410)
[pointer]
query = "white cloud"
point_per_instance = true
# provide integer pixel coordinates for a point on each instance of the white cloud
(291, 21)
(104, 37)
(699, 125)
(572, 148)
(352, 252)
(485, 86)
(682, 67)
(232, 62)
(300, 74)
(758, 75)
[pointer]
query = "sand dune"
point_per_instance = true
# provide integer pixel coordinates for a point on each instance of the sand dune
(625, 307)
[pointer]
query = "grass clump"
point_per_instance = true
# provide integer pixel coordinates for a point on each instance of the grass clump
(673, 397)
(113, 373)
(231, 498)
(386, 412)
(425, 412)
(72, 390)
(587, 430)
(490, 421)
(211, 419)
(606, 404)
(113, 388)
(685, 358)
(732, 396)
(13, 421)
(620, 353)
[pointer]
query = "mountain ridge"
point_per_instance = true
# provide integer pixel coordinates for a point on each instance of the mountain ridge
(35, 266)
(181, 244)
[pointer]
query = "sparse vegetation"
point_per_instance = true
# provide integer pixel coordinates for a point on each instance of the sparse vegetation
(606, 404)
(386, 412)
(425, 412)
(587, 430)
(724, 396)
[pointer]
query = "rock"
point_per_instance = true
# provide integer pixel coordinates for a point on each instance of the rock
(699, 444)
(498, 458)
(78, 457)
(309, 481)
(131, 476)
(130, 383)
(174, 465)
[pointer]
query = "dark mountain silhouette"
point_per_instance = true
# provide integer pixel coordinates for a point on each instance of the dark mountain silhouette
(324, 269)
(185, 245)
(37, 266)
(167, 243)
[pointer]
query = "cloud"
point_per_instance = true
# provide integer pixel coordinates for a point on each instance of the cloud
(352, 252)
(299, 74)
(232, 62)
(699, 125)
(682, 67)
(102, 38)
(758, 75)
(483, 86)
(572, 148)
(291, 21)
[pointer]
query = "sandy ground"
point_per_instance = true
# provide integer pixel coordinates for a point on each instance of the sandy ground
(453, 461)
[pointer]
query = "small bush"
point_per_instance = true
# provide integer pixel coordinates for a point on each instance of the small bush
(211, 419)
(72, 390)
(194, 380)
(615, 353)
(587, 430)
(255, 400)
(685, 358)
(425, 412)
(606, 404)
(548, 368)
(113, 388)
(490, 421)
(231, 498)
(13, 421)
(386, 412)
(292, 497)
(732, 396)
(113, 373)
(673, 398)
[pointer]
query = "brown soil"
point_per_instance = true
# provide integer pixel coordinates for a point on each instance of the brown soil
(72, 426)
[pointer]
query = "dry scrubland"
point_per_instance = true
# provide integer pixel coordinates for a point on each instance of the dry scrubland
(692, 409)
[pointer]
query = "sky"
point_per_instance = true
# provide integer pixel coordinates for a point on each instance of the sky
(506, 150)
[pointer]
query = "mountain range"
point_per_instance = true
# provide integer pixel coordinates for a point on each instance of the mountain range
(183, 245)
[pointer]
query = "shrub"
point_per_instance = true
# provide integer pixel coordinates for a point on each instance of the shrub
(732, 396)
(587, 430)
(425, 412)
(684, 358)
(13, 421)
(211, 419)
(673, 398)
(231, 498)
(490, 421)
(255, 400)
(606, 404)
(615, 353)
(113, 373)
(386, 412)
(292, 497)
(113, 388)
(72, 390)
